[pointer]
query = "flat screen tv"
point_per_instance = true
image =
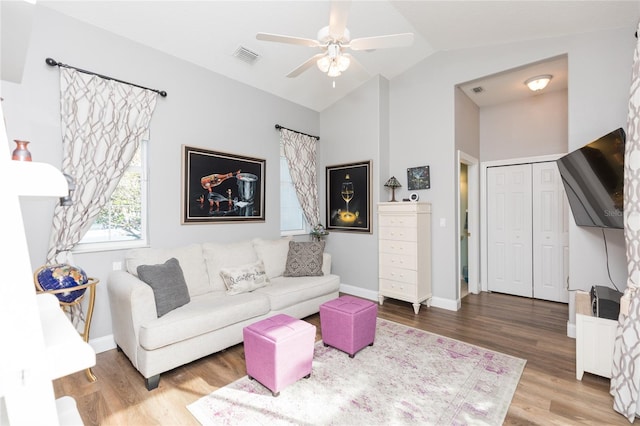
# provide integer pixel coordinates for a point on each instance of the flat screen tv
(593, 178)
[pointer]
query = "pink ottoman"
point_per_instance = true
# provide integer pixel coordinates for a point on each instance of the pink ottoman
(348, 323)
(279, 351)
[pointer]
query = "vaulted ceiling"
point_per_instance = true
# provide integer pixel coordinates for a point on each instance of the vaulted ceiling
(207, 33)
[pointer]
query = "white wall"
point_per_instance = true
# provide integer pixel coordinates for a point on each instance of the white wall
(467, 122)
(202, 109)
(422, 129)
(530, 127)
(355, 129)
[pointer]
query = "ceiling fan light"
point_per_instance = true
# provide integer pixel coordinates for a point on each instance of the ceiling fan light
(333, 50)
(334, 71)
(324, 63)
(538, 82)
(343, 62)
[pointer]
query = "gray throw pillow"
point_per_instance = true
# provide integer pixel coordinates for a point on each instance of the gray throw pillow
(168, 284)
(304, 259)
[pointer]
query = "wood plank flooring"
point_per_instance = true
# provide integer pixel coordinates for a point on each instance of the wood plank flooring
(548, 392)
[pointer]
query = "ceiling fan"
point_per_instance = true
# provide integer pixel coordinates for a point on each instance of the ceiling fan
(334, 40)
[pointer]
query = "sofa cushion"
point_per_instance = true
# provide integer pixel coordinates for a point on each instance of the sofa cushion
(273, 254)
(217, 256)
(304, 259)
(190, 259)
(244, 278)
(205, 313)
(287, 291)
(167, 281)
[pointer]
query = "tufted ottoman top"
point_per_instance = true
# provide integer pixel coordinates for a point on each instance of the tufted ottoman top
(279, 327)
(348, 304)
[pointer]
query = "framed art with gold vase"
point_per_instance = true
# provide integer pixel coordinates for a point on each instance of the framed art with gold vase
(349, 197)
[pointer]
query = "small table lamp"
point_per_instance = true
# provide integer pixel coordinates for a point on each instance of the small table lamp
(393, 184)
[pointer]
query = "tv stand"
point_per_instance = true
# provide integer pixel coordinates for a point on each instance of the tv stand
(595, 338)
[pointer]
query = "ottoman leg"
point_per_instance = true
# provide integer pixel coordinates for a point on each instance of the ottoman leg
(275, 394)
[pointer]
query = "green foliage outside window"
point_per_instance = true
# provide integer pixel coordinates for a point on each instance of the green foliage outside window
(123, 213)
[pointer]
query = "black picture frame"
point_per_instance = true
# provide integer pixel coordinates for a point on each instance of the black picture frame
(418, 178)
(219, 187)
(354, 215)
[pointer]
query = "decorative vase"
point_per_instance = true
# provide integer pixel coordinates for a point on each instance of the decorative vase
(21, 153)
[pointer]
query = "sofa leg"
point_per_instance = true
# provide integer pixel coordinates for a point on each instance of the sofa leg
(152, 382)
(118, 348)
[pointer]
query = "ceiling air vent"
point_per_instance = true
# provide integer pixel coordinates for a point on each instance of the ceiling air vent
(246, 55)
(478, 89)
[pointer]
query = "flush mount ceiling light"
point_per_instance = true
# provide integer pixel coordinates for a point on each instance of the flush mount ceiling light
(538, 82)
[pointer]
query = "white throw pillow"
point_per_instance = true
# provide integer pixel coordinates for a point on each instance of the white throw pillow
(218, 256)
(244, 278)
(273, 254)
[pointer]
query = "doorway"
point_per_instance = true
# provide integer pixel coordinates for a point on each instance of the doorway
(468, 220)
(464, 231)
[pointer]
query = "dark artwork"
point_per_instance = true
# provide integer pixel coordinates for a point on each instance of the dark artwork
(220, 187)
(348, 197)
(418, 178)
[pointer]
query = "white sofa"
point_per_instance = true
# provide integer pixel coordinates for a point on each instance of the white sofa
(212, 320)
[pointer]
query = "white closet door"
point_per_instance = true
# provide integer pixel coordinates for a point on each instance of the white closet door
(509, 219)
(550, 234)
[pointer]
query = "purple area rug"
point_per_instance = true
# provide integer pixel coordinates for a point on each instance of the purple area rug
(408, 376)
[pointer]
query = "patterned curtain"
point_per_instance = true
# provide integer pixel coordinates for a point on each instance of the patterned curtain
(300, 151)
(103, 122)
(625, 380)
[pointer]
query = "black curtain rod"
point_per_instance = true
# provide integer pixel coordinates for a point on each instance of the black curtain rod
(278, 127)
(54, 63)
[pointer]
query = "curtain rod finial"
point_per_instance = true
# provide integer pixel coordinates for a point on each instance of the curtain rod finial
(51, 62)
(162, 93)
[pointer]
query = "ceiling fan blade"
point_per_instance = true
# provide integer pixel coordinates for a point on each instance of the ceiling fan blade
(356, 68)
(338, 18)
(305, 66)
(287, 39)
(382, 42)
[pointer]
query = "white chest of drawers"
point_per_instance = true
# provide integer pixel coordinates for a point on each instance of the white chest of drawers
(404, 246)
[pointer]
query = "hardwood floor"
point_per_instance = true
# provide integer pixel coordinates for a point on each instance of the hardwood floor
(548, 392)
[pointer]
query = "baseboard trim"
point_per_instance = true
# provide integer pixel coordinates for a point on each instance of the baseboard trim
(437, 302)
(448, 304)
(359, 292)
(571, 329)
(103, 344)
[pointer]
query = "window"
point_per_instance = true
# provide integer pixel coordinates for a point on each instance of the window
(292, 219)
(123, 222)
